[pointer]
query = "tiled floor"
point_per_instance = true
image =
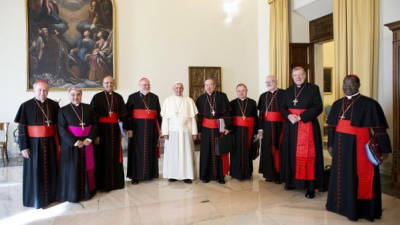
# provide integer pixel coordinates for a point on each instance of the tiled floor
(160, 202)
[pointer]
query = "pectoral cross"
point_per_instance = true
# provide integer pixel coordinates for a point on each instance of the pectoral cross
(110, 113)
(148, 111)
(213, 112)
(82, 124)
(342, 117)
(243, 117)
(295, 101)
(48, 122)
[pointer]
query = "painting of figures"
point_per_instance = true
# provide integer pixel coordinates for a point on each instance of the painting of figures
(70, 42)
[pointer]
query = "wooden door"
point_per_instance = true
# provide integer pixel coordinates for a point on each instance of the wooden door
(302, 54)
(197, 76)
(395, 27)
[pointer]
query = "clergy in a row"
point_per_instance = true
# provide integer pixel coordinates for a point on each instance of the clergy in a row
(270, 122)
(77, 126)
(143, 128)
(110, 108)
(354, 186)
(179, 129)
(213, 121)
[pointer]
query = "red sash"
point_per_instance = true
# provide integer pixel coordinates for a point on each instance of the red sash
(113, 119)
(109, 119)
(43, 132)
(210, 123)
(148, 115)
(245, 122)
(213, 124)
(365, 169)
(305, 149)
(273, 117)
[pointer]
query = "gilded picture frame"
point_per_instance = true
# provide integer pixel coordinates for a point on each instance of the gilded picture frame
(71, 42)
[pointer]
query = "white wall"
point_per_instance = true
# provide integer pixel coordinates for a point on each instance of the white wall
(388, 13)
(299, 28)
(159, 39)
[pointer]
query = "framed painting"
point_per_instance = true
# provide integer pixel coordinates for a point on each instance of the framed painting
(327, 80)
(70, 42)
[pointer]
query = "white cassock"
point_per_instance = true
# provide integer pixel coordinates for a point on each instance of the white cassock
(179, 123)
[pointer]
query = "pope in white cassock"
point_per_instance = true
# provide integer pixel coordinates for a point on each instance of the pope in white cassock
(179, 129)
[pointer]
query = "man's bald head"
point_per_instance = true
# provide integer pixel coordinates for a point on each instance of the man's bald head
(108, 83)
(271, 82)
(41, 89)
(144, 85)
(178, 88)
(209, 86)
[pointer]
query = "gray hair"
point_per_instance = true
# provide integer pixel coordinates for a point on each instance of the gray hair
(74, 88)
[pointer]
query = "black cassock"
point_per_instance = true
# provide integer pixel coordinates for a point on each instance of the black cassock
(241, 158)
(300, 169)
(110, 108)
(211, 165)
(272, 139)
(143, 147)
(76, 177)
(361, 112)
(40, 170)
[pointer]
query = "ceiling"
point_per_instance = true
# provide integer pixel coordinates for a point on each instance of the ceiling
(312, 9)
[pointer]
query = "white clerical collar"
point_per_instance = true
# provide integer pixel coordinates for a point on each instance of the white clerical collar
(243, 99)
(143, 93)
(76, 105)
(272, 91)
(351, 96)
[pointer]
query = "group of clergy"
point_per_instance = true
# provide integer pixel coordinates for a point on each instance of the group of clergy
(284, 121)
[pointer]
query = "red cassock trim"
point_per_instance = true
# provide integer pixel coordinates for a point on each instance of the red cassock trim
(213, 124)
(365, 169)
(305, 149)
(245, 122)
(44, 132)
(273, 117)
(109, 119)
(149, 115)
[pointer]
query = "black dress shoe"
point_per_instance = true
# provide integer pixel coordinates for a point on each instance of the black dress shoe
(278, 181)
(310, 194)
(188, 181)
(205, 181)
(172, 180)
(135, 181)
(268, 180)
(289, 188)
(221, 181)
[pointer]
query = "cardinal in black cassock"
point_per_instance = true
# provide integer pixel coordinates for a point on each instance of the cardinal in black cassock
(144, 124)
(38, 142)
(270, 125)
(77, 128)
(244, 126)
(301, 159)
(354, 186)
(212, 106)
(109, 106)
